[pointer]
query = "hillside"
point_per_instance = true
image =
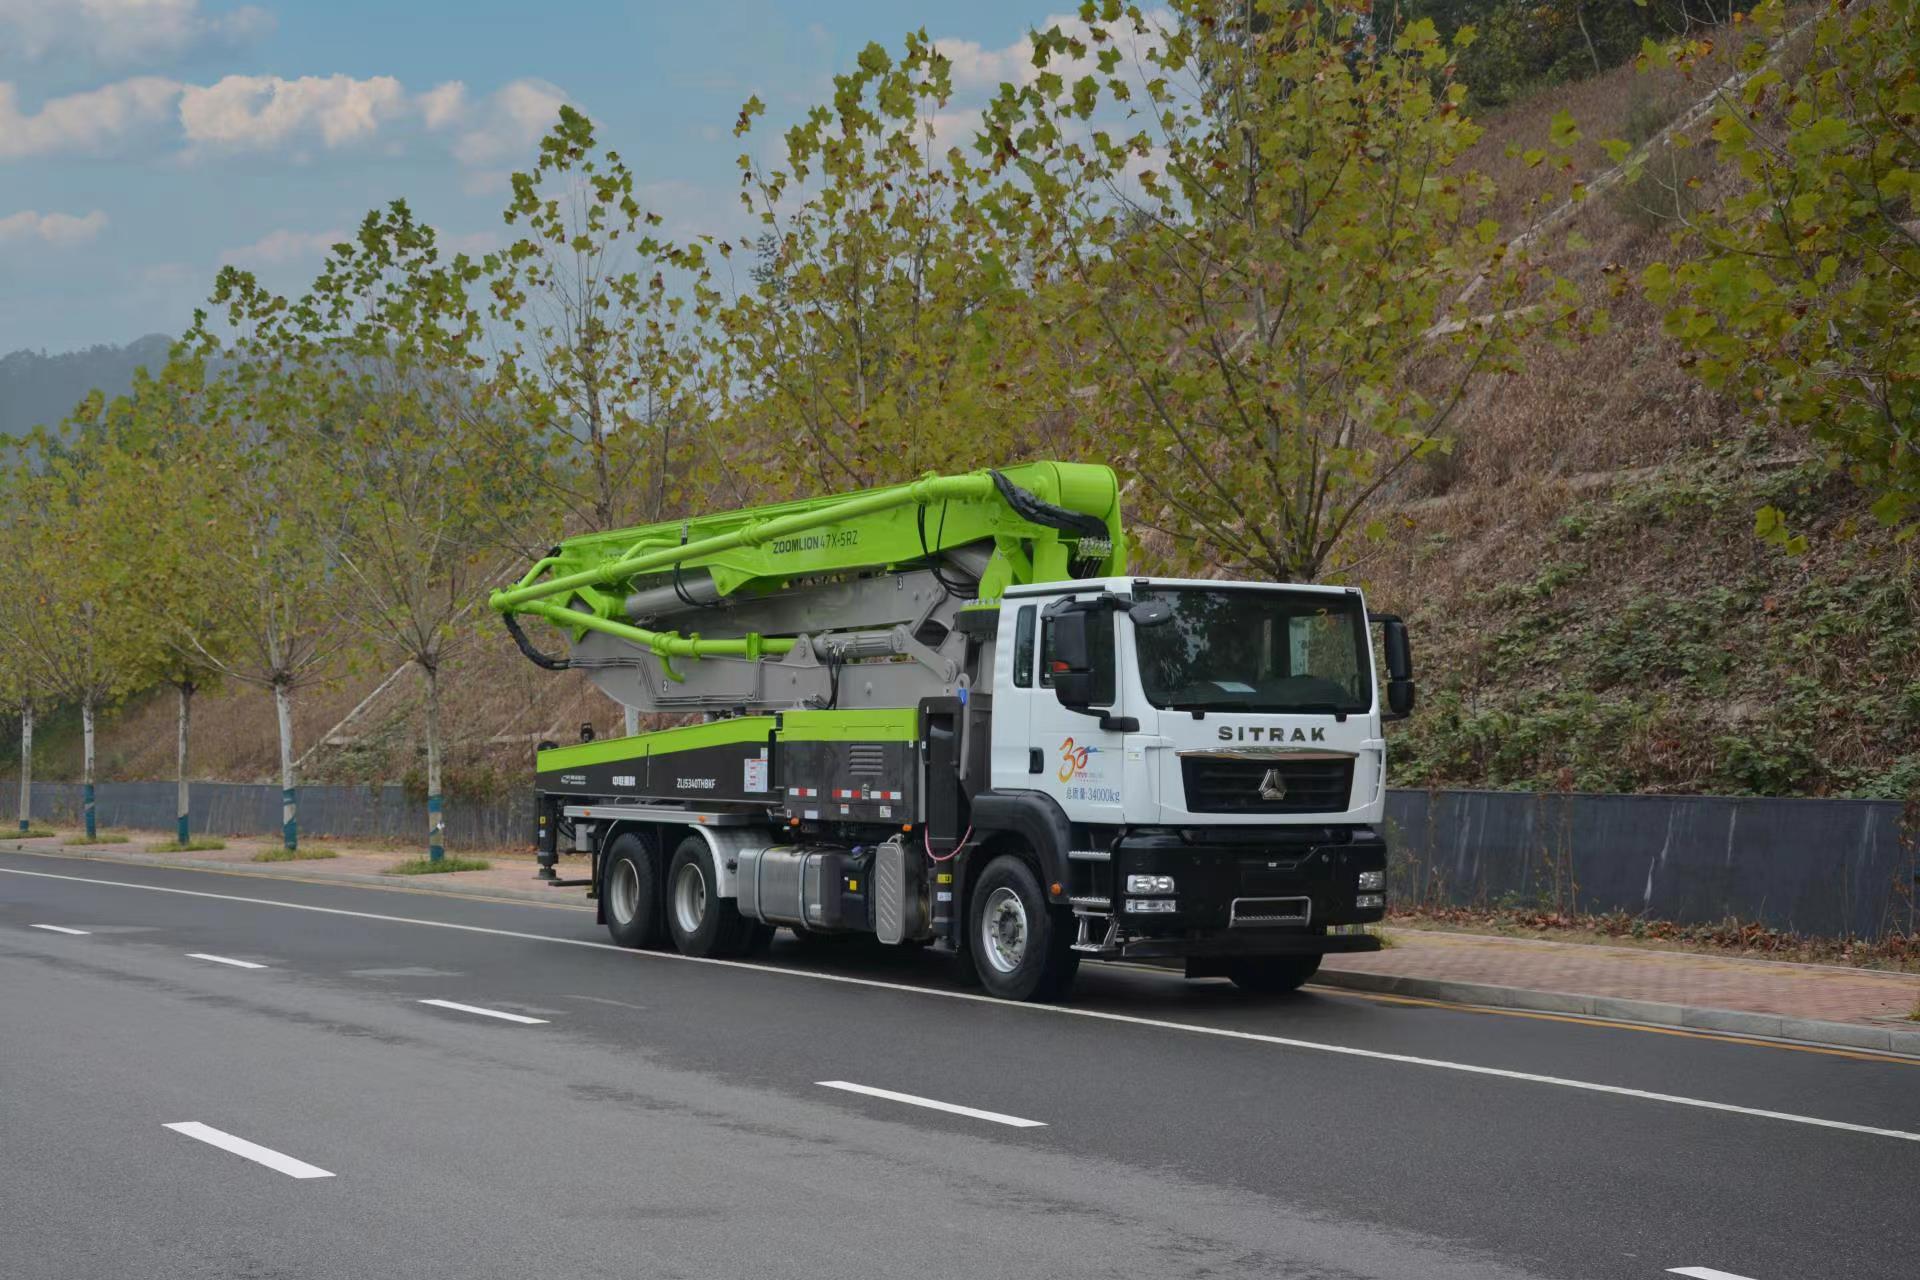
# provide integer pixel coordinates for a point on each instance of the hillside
(1591, 607)
(38, 390)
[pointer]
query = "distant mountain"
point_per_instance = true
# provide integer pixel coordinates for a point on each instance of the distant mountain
(37, 389)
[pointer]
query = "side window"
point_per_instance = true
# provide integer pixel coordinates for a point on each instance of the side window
(1099, 650)
(1023, 648)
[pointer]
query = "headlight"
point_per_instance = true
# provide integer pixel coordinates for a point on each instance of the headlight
(1148, 906)
(1149, 884)
(1373, 879)
(1371, 901)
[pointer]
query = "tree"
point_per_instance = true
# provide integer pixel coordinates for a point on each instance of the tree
(160, 457)
(1798, 296)
(884, 334)
(280, 629)
(602, 357)
(427, 498)
(21, 688)
(82, 557)
(1273, 271)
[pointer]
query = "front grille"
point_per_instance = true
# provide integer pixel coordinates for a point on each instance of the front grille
(1247, 912)
(1217, 784)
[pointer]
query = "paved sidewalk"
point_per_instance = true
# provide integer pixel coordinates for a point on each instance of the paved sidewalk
(1731, 993)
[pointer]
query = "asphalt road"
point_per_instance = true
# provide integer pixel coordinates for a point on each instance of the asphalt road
(641, 1115)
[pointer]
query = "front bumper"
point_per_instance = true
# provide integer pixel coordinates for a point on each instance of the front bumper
(1244, 891)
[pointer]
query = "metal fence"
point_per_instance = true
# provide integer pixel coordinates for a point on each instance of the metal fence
(1830, 867)
(1827, 867)
(253, 809)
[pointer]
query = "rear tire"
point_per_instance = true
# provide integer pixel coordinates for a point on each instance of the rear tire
(702, 922)
(1272, 975)
(630, 889)
(1021, 945)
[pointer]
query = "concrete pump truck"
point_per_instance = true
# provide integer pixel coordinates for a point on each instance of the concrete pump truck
(944, 713)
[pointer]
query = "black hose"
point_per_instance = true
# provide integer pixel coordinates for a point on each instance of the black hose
(534, 656)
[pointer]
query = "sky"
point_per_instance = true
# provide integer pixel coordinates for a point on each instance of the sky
(144, 143)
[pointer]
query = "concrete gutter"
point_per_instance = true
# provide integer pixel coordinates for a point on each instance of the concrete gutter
(1772, 1026)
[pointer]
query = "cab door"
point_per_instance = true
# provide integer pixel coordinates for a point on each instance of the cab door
(1015, 763)
(1084, 761)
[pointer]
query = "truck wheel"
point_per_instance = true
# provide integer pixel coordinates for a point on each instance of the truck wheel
(1272, 974)
(701, 921)
(636, 915)
(1021, 948)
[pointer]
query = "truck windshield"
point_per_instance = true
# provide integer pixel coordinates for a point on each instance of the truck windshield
(1253, 649)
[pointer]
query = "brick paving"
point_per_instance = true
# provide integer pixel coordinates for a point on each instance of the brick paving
(1830, 993)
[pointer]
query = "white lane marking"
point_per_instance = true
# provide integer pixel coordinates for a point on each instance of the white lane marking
(238, 964)
(932, 1104)
(60, 928)
(1054, 1010)
(1703, 1273)
(251, 1150)
(485, 1013)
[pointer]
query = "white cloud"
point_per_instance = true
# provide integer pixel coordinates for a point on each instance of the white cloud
(257, 112)
(282, 246)
(123, 31)
(58, 229)
(444, 105)
(83, 122)
(272, 113)
(977, 68)
(512, 121)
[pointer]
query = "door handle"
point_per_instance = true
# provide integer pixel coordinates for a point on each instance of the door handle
(1036, 762)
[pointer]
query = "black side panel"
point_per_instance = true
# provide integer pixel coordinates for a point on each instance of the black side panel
(1037, 819)
(736, 771)
(945, 808)
(849, 781)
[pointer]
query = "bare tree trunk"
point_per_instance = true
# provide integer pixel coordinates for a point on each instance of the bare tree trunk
(86, 765)
(185, 690)
(289, 796)
(436, 824)
(26, 767)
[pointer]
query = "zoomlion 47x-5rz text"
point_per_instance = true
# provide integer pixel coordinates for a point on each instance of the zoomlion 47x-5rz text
(944, 713)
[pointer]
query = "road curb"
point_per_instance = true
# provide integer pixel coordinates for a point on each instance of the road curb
(546, 897)
(1773, 1026)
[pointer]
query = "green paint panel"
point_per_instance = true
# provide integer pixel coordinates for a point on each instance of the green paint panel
(883, 724)
(718, 733)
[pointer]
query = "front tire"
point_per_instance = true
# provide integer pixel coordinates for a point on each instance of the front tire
(630, 889)
(1272, 975)
(1022, 947)
(702, 922)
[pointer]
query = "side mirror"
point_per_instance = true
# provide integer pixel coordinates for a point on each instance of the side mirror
(1070, 666)
(1400, 686)
(1151, 613)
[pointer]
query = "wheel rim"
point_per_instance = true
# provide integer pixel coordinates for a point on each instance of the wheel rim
(623, 895)
(1003, 930)
(690, 898)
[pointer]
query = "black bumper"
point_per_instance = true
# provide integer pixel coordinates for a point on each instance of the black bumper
(1241, 892)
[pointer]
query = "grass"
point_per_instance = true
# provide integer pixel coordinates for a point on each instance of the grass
(74, 840)
(422, 867)
(293, 855)
(190, 846)
(32, 833)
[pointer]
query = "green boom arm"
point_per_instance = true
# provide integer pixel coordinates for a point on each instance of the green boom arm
(1043, 519)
